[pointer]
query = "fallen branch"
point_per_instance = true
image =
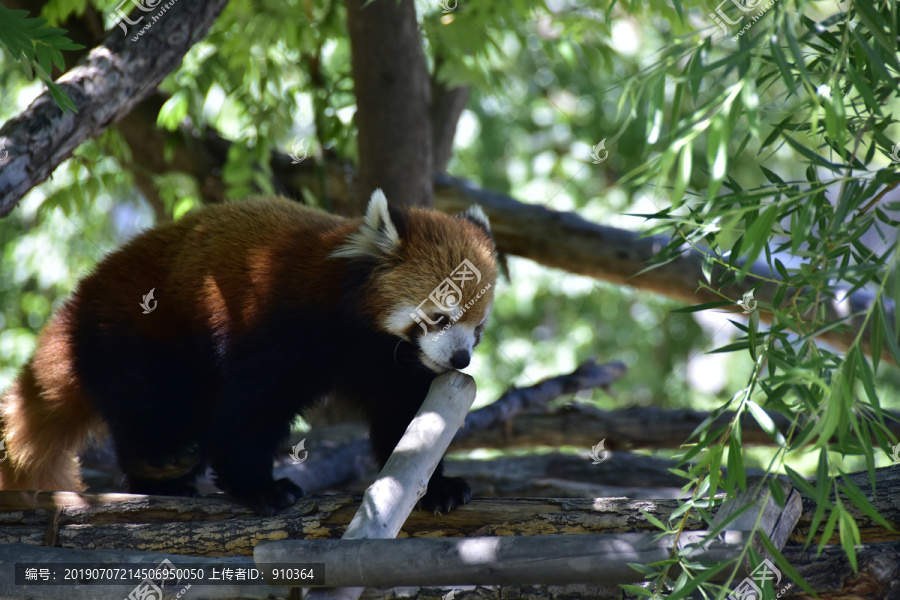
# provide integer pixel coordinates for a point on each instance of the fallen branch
(588, 375)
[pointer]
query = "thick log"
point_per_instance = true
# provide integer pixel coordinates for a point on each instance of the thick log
(644, 427)
(538, 559)
(832, 576)
(829, 574)
(217, 527)
(541, 559)
(559, 475)
(588, 375)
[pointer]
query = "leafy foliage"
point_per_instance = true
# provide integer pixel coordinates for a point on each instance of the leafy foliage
(764, 135)
(36, 47)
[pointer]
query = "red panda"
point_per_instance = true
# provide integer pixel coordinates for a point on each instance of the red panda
(198, 342)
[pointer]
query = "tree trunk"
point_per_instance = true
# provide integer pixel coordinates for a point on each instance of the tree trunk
(393, 100)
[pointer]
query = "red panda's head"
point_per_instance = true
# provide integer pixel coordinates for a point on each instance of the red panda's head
(432, 281)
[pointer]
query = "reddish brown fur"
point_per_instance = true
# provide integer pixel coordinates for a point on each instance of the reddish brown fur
(45, 416)
(214, 271)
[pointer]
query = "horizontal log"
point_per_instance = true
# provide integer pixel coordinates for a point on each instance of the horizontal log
(645, 427)
(215, 526)
(520, 560)
(829, 574)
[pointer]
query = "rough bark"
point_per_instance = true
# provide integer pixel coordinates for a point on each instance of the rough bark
(832, 576)
(588, 375)
(217, 527)
(643, 427)
(393, 99)
(558, 475)
(104, 88)
(447, 104)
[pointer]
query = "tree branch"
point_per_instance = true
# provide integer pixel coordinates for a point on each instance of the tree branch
(215, 526)
(113, 79)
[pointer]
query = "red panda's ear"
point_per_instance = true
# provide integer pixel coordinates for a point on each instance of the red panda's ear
(475, 215)
(377, 237)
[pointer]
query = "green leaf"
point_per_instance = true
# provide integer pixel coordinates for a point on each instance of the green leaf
(765, 421)
(704, 306)
(683, 175)
(736, 472)
(849, 536)
(890, 339)
(656, 522)
(697, 580)
(716, 154)
(782, 65)
(809, 154)
(752, 328)
(876, 336)
(783, 564)
(757, 235)
(859, 499)
(173, 111)
(827, 531)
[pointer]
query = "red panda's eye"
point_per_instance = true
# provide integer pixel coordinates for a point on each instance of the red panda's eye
(436, 317)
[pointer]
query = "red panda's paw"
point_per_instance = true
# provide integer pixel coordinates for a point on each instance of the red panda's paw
(281, 495)
(445, 493)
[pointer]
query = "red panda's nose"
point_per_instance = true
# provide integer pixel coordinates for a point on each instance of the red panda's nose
(460, 360)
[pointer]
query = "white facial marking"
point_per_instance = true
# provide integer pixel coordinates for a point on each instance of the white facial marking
(398, 320)
(436, 354)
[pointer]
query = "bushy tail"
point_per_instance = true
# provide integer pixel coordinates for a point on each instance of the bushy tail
(45, 421)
